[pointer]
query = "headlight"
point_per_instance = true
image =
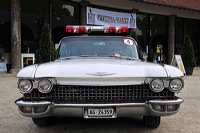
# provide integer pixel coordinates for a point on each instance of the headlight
(156, 85)
(45, 86)
(25, 86)
(176, 85)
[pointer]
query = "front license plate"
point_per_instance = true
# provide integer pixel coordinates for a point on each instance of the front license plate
(100, 112)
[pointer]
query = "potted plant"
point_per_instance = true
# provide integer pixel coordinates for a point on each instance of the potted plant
(46, 51)
(188, 55)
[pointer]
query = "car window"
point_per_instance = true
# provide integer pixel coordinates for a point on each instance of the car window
(98, 46)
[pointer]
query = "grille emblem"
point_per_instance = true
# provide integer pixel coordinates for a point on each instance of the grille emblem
(101, 73)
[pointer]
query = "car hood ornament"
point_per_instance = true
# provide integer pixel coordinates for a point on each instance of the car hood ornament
(101, 73)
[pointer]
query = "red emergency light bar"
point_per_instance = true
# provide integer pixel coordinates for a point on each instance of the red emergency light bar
(112, 29)
(70, 29)
(81, 29)
(123, 29)
(95, 29)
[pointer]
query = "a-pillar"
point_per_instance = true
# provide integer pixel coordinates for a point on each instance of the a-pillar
(83, 17)
(15, 36)
(171, 38)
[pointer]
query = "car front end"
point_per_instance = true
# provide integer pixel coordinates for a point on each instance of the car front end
(98, 84)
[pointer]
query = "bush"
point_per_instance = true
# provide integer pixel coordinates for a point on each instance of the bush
(134, 36)
(188, 53)
(46, 51)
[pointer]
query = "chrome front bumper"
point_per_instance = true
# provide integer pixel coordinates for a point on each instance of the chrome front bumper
(149, 108)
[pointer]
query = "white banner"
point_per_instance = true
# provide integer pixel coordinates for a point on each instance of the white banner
(110, 18)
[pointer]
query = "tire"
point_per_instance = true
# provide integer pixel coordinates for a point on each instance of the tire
(43, 121)
(151, 121)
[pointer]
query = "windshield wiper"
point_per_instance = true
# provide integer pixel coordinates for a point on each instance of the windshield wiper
(124, 57)
(121, 57)
(65, 58)
(69, 57)
(130, 58)
(87, 56)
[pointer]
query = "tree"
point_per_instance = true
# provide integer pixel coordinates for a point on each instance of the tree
(134, 36)
(15, 36)
(188, 53)
(46, 51)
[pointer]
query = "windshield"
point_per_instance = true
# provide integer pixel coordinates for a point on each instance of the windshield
(98, 47)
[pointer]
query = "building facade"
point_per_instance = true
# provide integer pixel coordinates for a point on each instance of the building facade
(159, 23)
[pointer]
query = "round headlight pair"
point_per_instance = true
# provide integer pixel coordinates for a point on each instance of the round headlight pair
(176, 85)
(45, 86)
(25, 86)
(157, 85)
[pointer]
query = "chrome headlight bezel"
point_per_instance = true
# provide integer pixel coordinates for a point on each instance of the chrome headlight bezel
(167, 82)
(45, 83)
(172, 83)
(35, 84)
(28, 83)
(156, 83)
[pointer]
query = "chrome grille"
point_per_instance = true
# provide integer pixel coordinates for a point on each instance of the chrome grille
(100, 94)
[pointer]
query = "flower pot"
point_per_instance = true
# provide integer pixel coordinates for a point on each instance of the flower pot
(189, 70)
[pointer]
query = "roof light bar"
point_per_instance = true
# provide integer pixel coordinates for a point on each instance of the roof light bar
(112, 29)
(81, 29)
(123, 29)
(70, 29)
(96, 29)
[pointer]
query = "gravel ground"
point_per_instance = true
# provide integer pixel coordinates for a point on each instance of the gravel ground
(186, 121)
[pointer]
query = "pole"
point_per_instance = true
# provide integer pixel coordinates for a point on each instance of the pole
(15, 36)
(50, 28)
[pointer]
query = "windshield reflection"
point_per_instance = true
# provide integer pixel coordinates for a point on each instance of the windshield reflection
(98, 47)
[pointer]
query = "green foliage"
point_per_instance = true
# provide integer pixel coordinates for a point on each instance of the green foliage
(188, 53)
(46, 51)
(134, 36)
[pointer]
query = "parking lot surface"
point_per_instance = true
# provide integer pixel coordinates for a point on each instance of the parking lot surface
(187, 120)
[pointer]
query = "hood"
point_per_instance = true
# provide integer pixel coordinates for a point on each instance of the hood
(100, 71)
(27, 72)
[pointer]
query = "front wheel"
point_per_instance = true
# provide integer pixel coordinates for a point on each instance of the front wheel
(151, 121)
(43, 121)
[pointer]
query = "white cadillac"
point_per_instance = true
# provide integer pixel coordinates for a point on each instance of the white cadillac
(99, 77)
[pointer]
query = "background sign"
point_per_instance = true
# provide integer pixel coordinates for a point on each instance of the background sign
(110, 18)
(180, 63)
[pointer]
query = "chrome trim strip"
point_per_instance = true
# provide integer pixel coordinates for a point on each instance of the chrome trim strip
(41, 103)
(166, 102)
